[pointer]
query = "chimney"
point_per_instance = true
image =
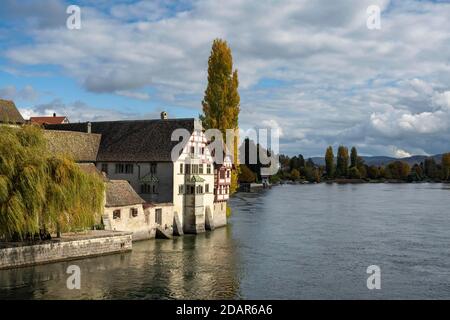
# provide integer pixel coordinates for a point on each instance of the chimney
(163, 115)
(54, 114)
(89, 127)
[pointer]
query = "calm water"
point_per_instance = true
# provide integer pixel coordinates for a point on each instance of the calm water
(290, 242)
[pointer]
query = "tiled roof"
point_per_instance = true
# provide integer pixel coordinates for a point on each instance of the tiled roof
(135, 140)
(119, 193)
(9, 112)
(90, 168)
(82, 147)
(47, 120)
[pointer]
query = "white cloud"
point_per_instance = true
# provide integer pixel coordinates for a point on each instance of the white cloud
(134, 94)
(80, 112)
(399, 153)
(27, 93)
(338, 81)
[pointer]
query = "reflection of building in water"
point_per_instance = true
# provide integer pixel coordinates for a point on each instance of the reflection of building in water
(208, 272)
(201, 267)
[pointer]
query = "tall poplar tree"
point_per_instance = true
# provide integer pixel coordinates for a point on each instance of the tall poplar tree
(446, 166)
(221, 101)
(342, 162)
(329, 162)
(353, 157)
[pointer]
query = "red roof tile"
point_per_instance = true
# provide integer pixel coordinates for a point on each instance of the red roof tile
(47, 120)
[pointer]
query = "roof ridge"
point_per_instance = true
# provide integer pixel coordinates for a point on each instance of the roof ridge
(136, 120)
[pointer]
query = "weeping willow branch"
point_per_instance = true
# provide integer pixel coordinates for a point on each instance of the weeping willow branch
(40, 191)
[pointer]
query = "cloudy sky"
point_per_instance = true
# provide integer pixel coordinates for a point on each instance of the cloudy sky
(311, 68)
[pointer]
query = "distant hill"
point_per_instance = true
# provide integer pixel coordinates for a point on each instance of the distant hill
(382, 160)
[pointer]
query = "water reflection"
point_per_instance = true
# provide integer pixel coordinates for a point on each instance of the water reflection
(191, 267)
(289, 242)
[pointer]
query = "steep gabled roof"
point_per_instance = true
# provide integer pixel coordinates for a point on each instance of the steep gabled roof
(90, 168)
(9, 112)
(47, 120)
(119, 193)
(82, 147)
(134, 140)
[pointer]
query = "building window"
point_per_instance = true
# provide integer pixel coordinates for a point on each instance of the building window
(116, 214)
(154, 189)
(181, 168)
(206, 188)
(199, 190)
(145, 188)
(129, 168)
(228, 173)
(192, 150)
(208, 169)
(158, 216)
(200, 168)
(188, 168)
(222, 174)
(153, 168)
(120, 168)
(124, 168)
(181, 189)
(133, 213)
(105, 168)
(202, 150)
(194, 168)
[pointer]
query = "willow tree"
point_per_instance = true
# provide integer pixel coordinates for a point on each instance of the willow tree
(221, 100)
(42, 193)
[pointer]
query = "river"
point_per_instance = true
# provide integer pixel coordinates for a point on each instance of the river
(289, 242)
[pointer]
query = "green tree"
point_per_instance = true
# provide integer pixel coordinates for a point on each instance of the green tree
(329, 162)
(416, 173)
(398, 170)
(246, 175)
(342, 162)
(40, 193)
(353, 157)
(373, 172)
(354, 173)
(446, 166)
(295, 174)
(430, 168)
(221, 100)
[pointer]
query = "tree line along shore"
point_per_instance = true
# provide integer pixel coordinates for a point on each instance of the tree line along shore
(348, 167)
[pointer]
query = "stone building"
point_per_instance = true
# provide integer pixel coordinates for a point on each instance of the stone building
(125, 211)
(142, 153)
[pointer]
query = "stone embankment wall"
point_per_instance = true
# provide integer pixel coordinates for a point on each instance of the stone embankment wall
(69, 247)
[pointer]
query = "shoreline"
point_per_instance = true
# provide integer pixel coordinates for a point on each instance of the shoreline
(357, 181)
